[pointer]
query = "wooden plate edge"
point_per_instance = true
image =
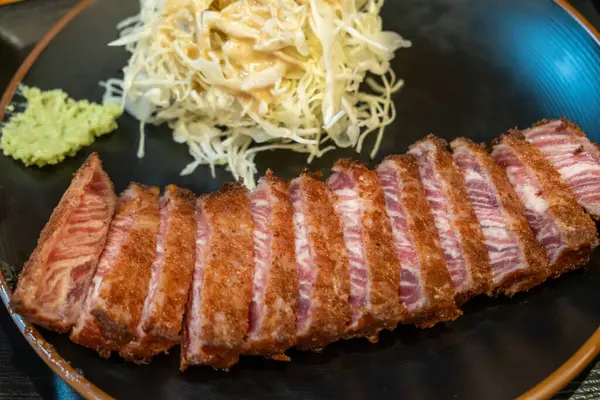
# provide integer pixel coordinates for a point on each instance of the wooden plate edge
(42, 348)
(543, 390)
(47, 353)
(591, 348)
(35, 53)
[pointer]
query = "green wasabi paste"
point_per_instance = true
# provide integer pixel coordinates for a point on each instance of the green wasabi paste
(54, 126)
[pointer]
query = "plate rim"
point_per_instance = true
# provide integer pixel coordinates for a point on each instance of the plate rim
(545, 389)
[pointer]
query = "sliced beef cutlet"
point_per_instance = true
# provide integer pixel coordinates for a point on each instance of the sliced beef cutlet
(374, 268)
(114, 304)
(461, 237)
(160, 325)
(561, 226)
(272, 321)
(518, 261)
(310, 262)
(216, 321)
(575, 158)
(426, 289)
(323, 310)
(56, 279)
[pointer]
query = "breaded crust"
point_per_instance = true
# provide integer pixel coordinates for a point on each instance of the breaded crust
(90, 336)
(141, 351)
(465, 221)
(435, 279)
(120, 248)
(227, 278)
(125, 286)
(171, 294)
(278, 330)
(385, 308)
(60, 314)
(165, 304)
(535, 257)
(577, 229)
(330, 311)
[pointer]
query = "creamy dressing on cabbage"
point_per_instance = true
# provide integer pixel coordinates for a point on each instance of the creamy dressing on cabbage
(233, 78)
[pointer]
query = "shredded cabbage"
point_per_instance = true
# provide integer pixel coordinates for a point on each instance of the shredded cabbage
(233, 78)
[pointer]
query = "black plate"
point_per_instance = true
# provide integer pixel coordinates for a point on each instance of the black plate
(477, 68)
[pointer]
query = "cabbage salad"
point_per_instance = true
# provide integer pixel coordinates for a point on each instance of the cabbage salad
(233, 78)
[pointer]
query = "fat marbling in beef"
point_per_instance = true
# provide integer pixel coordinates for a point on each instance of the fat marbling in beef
(216, 321)
(374, 268)
(426, 289)
(323, 274)
(272, 319)
(55, 280)
(518, 261)
(561, 226)
(461, 237)
(113, 308)
(574, 157)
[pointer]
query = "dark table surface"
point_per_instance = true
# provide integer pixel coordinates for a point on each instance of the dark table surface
(22, 374)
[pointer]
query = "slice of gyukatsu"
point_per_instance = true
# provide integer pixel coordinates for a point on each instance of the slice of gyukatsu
(461, 237)
(426, 289)
(113, 308)
(518, 261)
(374, 268)
(55, 280)
(159, 328)
(323, 310)
(272, 322)
(560, 225)
(216, 321)
(575, 158)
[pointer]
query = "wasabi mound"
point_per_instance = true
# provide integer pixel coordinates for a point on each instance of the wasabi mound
(54, 126)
